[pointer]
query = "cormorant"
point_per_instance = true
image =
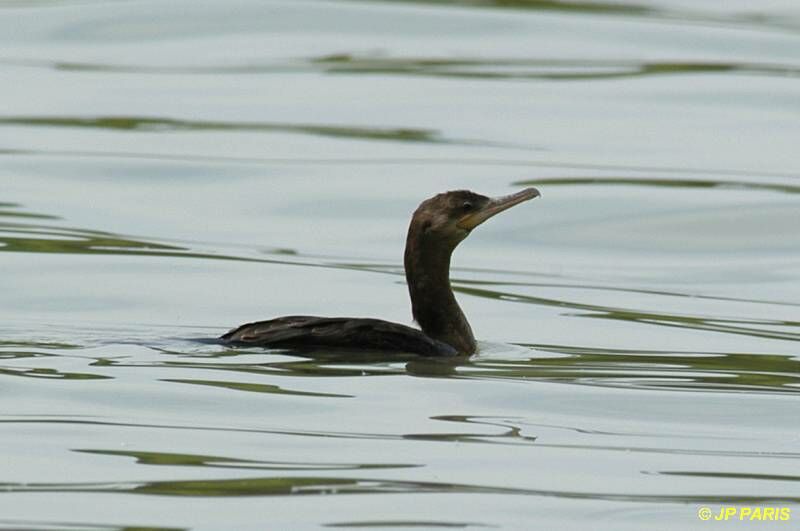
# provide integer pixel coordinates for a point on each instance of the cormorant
(438, 225)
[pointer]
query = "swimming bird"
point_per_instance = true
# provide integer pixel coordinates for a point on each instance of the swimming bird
(438, 225)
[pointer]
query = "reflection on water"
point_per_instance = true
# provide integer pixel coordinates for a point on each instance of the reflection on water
(473, 69)
(46, 525)
(130, 123)
(707, 371)
(210, 461)
(294, 486)
(34, 238)
(641, 369)
(724, 184)
(532, 69)
(256, 388)
(696, 322)
(628, 9)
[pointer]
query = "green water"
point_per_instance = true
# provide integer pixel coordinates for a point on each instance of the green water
(171, 170)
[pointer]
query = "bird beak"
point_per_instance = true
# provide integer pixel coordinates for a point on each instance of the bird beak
(495, 206)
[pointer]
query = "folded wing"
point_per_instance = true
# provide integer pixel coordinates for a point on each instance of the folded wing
(337, 332)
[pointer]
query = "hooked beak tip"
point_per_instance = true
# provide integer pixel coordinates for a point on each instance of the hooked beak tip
(495, 206)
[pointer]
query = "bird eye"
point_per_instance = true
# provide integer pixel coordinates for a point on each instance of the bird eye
(466, 205)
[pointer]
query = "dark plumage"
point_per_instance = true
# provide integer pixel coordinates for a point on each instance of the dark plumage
(438, 225)
(298, 331)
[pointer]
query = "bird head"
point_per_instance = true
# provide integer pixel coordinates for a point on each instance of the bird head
(449, 217)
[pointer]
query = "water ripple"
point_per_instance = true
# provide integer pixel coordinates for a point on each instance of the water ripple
(388, 161)
(60, 525)
(210, 461)
(730, 325)
(503, 438)
(497, 68)
(159, 125)
(651, 369)
(305, 486)
(255, 388)
(720, 184)
(775, 21)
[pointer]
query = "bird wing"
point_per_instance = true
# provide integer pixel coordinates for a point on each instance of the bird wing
(341, 332)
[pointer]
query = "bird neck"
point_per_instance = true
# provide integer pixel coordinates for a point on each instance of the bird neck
(427, 265)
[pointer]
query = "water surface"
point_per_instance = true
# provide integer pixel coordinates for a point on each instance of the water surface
(170, 171)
